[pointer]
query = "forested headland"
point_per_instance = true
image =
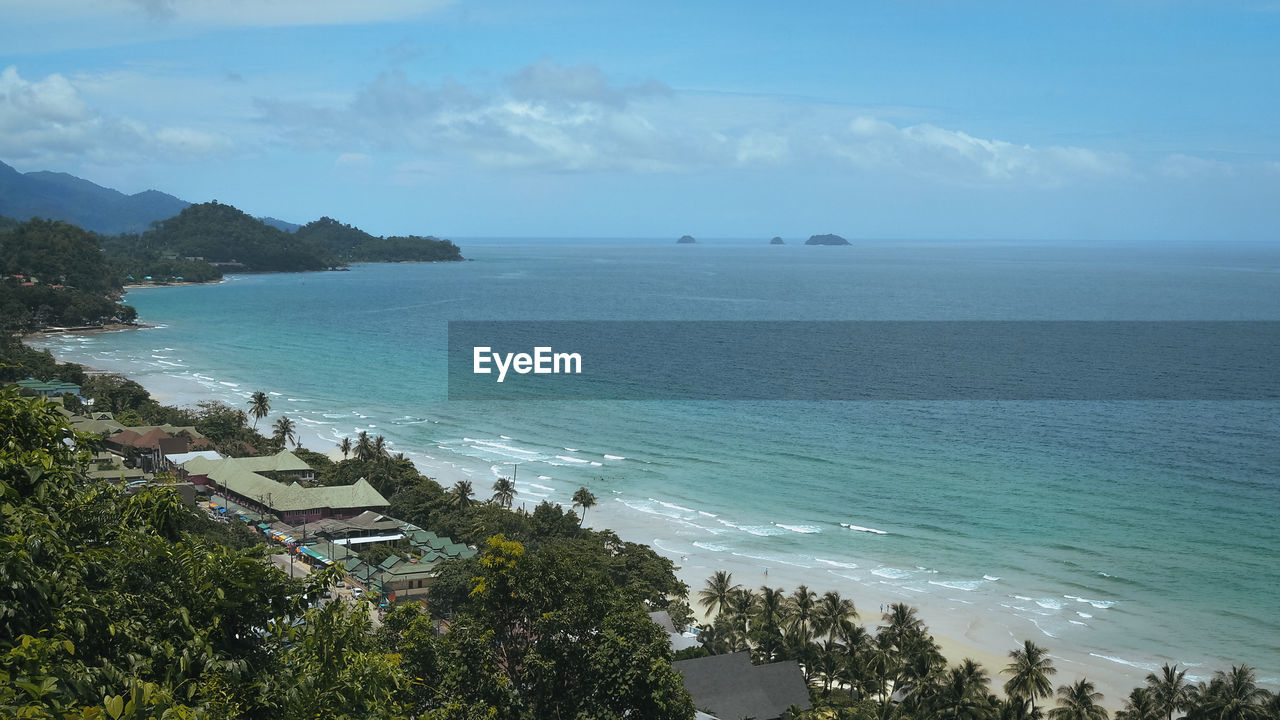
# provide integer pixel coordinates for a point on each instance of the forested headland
(53, 273)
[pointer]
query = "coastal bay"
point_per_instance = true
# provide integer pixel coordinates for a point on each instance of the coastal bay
(1000, 521)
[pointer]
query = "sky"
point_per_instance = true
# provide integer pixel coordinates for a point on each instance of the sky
(1096, 120)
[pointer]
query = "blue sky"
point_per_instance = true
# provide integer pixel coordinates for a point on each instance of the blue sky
(1106, 120)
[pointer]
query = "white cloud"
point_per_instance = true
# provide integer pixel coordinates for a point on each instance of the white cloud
(558, 118)
(47, 122)
(955, 156)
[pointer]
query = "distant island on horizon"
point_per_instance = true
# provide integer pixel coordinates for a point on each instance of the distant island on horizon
(826, 240)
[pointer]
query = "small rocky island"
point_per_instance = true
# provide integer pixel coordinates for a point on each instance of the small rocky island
(686, 240)
(776, 241)
(826, 240)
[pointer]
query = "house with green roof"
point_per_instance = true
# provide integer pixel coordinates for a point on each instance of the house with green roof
(50, 388)
(240, 480)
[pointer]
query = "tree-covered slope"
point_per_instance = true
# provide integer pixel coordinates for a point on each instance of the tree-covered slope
(355, 245)
(223, 234)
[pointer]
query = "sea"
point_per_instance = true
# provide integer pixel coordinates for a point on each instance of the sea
(1121, 534)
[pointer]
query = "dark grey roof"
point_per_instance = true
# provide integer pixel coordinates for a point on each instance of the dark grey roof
(730, 687)
(663, 620)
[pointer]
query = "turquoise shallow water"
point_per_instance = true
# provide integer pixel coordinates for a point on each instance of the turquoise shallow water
(1135, 532)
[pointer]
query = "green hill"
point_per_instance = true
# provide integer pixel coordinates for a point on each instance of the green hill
(355, 245)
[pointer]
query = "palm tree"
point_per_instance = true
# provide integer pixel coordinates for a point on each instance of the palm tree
(364, 446)
(742, 603)
(834, 614)
(901, 621)
(1079, 701)
(716, 595)
(345, 447)
(259, 407)
(1169, 689)
(1232, 695)
(1029, 674)
(285, 430)
(801, 604)
(964, 693)
(768, 614)
(583, 497)
(1141, 705)
(504, 491)
(461, 493)
(379, 448)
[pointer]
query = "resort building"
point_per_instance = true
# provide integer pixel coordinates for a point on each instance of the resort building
(272, 484)
(729, 686)
(49, 389)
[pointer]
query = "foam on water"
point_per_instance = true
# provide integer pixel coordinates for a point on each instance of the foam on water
(860, 528)
(1149, 667)
(837, 563)
(965, 585)
(891, 573)
(802, 529)
(1100, 604)
(578, 461)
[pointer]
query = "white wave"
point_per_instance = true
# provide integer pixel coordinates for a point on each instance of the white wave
(707, 514)
(1041, 629)
(228, 384)
(1100, 604)
(272, 392)
(540, 487)
(836, 563)
(500, 446)
(1084, 615)
(990, 578)
(1149, 667)
(1077, 622)
(579, 461)
(596, 464)
(572, 449)
(711, 546)
(673, 506)
(1050, 603)
(761, 530)
(544, 477)
(965, 585)
(891, 573)
(614, 457)
(859, 528)
(802, 529)
(505, 437)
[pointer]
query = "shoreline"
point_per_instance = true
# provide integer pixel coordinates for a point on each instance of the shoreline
(962, 631)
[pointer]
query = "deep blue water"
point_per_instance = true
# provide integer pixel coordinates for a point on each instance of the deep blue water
(1137, 531)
